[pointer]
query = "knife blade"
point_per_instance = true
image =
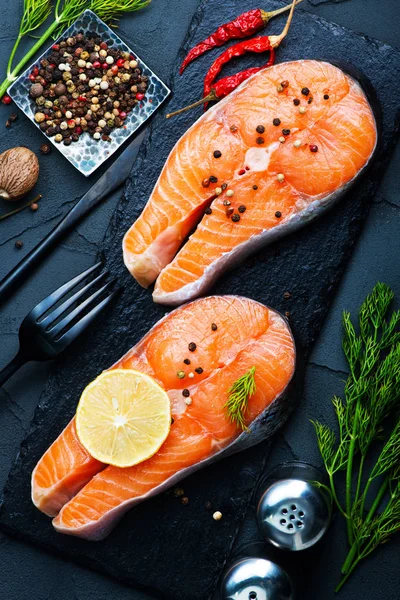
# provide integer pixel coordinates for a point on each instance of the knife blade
(113, 178)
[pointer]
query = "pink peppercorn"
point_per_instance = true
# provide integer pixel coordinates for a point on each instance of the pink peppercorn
(139, 96)
(97, 64)
(6, 99)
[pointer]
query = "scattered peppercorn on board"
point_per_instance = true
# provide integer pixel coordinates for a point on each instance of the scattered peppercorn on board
(172, 548)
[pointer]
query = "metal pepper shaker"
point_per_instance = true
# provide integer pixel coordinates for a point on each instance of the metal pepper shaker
(256, 579)
(293, 513)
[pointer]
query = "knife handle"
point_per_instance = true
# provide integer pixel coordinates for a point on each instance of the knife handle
(19, 273)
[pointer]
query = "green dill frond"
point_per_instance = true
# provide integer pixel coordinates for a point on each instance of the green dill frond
(238, 398)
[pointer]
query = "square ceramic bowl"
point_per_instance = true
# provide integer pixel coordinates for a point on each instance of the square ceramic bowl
(88, 154)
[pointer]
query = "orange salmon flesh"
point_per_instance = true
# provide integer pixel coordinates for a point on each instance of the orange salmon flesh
(89, 497)
(274, 174)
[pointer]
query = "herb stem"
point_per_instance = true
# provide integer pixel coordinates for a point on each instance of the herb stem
(18, 68)
(13, 51)
(20, 208)
(349, 474)
(359, 479)
(347, 575)
(372, 510)
(334, 495)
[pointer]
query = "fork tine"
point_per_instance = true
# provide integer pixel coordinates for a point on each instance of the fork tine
(70, 335)
(50, 300)
(54, 331)
(53, 316)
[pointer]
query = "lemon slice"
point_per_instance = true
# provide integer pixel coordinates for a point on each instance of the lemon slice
(123, 417)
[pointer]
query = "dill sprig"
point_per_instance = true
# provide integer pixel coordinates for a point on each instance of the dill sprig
(111, 10)
(36, 13)
(238, 398)
(368, 416)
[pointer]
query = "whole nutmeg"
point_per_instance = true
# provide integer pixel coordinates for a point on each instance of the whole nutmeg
(19, 171)
(36, 90)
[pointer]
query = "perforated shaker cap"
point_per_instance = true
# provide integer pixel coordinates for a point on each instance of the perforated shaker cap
(293, 514)
(256, 579)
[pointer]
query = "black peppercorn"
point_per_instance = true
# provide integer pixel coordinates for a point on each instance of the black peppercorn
(199, 370)
(296, 102)
(214, 326)
(285, 131)
(260, 128)
(185, 393)
(187, 361)
(260, 140)
(242, 208)
(208, 211)
(305, 91)
(217, 154)
(278, 214)
(235, 218)
(192, 346)
(213, 179)
(255, 187)
(326, 96)
(276, 122)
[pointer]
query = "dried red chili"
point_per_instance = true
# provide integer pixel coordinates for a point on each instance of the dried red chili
(226, 85)
(222, 88)
(243, 26)
(258, 44)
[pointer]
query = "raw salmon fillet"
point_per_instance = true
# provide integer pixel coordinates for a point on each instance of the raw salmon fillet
(248, 334)
(338, 121)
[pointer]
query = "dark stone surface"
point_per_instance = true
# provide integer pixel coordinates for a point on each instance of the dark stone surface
(374, 259)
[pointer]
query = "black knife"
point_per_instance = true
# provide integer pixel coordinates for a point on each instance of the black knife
(114, 177)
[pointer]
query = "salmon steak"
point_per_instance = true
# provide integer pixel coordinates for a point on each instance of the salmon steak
(202, 347)
(270, 157)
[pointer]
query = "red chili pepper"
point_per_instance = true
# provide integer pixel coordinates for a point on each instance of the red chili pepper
(224, 86)
(228, 84)
(243, 26)
(258, 44)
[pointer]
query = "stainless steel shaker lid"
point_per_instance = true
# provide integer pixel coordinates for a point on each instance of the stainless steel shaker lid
(256, 579)
(293, 514)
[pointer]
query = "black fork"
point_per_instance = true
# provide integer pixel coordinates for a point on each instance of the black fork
(44, 334)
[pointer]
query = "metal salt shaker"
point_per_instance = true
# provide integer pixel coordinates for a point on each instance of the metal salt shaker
(256, 579)
(293, 513)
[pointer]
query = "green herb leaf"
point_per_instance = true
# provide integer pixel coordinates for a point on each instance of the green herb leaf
(369, 414)
(238, 397)
(111, 10)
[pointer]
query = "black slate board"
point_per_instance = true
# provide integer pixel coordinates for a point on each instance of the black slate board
(161, 546)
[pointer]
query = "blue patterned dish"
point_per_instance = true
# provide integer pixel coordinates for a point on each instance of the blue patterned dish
(88, 154)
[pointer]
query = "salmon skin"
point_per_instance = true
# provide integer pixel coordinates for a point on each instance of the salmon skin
(232, 334)
(287, 153)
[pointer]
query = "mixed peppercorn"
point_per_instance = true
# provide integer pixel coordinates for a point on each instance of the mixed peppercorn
(85, 86)
(260, 129)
